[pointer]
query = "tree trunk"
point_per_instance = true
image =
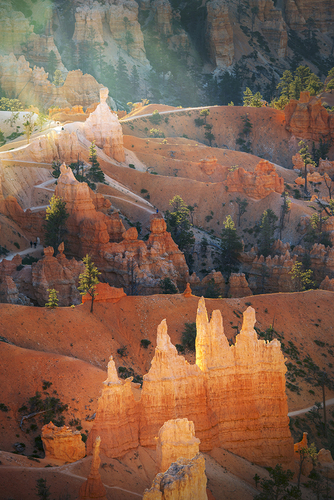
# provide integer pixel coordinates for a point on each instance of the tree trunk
(324, 406)
(92, 303)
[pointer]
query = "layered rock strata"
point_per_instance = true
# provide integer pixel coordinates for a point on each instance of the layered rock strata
(104, 129)
(219, 34)
(176, 439)
(58, 273)
(116, 418)
(308, 118)
(238, 286)
(89, 230)
(258, 184)
(184, 480)
(32, 86)
(235, 395)
(61, 443)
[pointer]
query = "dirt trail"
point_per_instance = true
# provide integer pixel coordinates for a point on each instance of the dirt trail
(306, 410)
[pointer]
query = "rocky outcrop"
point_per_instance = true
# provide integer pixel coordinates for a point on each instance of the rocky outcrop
(327, 284)
(208, 165)
(103, 127)
(116, 418)
(106, 294)
(93, 489)
(163, 16)
(9, 293)
(219, 34)
(30, 222)
(238, 286)
(272, 274)
(297, 13)
(272, 26)
(122, 18)
(38, 48)
(89, 23)
(176, 439)
(308, 118)
(58, 273)
(14, 30)
(184, 480)
(250, 421)
(141, 265)
(61, 443)
(32, 86)
(89, 230)
(213, 281)
(258, 184)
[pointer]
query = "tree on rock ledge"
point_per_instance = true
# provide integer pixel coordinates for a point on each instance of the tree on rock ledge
(95, 173)
(89, 279)
(54, 225)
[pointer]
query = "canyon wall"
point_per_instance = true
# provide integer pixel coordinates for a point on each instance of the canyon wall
(235, 395)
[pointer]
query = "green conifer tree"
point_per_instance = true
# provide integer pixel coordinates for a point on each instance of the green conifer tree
(89, 279)
(230, 248)
(95, 173)
(54, 226)
(53, 299)
(268, 228)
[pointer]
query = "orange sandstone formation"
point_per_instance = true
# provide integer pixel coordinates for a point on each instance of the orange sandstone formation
(103, 127)
(176, 439)
(184, 480)
(93, 489)
(327, 284)
(258, 184)
(32, 86)
(116, 417)
(59, 273)
(250, 419)
(61, 443)
(308, 119)
(239, 286)
(106, 293)
(89, 231)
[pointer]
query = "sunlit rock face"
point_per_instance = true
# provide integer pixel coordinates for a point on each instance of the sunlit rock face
(234, 395)
(308, 118)
(61, 443)
(258, 184)
(103, 127)
(176, 439)
(89, 230)
(32, 86)
(239, 286)
(116, 419)
(116, 18)
(58, 273)
(184, 480)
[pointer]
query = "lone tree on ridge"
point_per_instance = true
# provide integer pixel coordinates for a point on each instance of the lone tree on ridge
(89, 279)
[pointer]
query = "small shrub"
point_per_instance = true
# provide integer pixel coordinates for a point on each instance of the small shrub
(131, 165)
(3, 407)
(17, 245)
(83, 437)
(145, 343)
(157, 133)
(167, 286)
(122, 351)
(180, 348)
(143, 191)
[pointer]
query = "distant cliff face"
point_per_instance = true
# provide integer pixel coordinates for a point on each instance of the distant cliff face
(166, 49)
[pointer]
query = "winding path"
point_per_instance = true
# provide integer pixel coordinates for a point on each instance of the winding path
(305, 410)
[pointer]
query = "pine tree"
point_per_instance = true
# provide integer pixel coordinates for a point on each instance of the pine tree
(122, 90)
(58, 78)
(95, 173)
(89, 279)
(230, 248)
(51, 64)
(134, 79)
(54, 226)
(307, 160)
(53, 298)
(267, 231)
